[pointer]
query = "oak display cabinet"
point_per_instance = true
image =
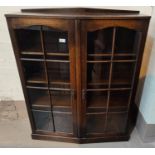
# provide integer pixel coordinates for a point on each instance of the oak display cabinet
(79, 70)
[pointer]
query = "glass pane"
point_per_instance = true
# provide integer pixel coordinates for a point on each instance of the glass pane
(122, 73)
(59, 74)
(100, 41)
(29, 39)
(95, 123)
(63, 122)
(116, 122)
(97, 99)
(119, 100)
(34, 71)
(98, 73)
(61, 98)
(43, 120)
(39, 98)
(55, 41)
(126, 40)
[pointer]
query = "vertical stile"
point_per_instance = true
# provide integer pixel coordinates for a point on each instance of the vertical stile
(138, 41)
(46, 72)
(78, 75)
(110, 74)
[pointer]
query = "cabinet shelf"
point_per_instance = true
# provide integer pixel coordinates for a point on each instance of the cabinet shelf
(60, 106)
(46, 88)
(31, 53)
(62, 61)
(60, 89)
(39, 106)
(47, 60)
(30, 59)
(37, 87)
(109, 54)
(60, 83)
(97, 108)
(57, 54)
(113, 82)
(41, 53)
(36, 80)
(105, 89)
(106, 61)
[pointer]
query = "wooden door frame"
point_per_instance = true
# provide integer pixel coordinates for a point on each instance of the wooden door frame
(93, 25)
(62, 24)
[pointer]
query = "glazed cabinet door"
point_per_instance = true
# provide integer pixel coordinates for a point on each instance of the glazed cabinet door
(111, 54)
(44, 50)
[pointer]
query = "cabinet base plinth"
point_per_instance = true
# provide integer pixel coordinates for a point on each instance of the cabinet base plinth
(80, 140)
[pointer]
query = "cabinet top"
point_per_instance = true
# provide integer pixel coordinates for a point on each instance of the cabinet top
(78, 13)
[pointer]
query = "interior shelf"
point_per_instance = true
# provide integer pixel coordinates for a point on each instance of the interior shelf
(60, 84)
(109, 54)
(32, 59)
(105, 89)
(106, 61)
(41, 60)
(31, 53)
(57, 54)
(36, 79)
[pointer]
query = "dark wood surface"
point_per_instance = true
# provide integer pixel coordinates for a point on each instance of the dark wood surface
(79, 13)
(79, 76)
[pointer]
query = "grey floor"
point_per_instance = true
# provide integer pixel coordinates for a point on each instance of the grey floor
(15, 132)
